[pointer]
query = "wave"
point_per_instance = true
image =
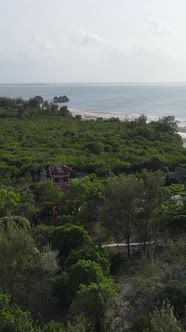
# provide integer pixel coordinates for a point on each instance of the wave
(107, 115)
(120, 115)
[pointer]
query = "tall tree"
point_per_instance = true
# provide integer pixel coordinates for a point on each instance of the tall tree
(150, 198)
(94, 300)
(167, 124)
(120, 211)
(16, 260)
(84, 196)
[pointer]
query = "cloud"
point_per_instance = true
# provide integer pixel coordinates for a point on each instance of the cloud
(41, 49)
(160, 28)
(43, 43)
(87, 38)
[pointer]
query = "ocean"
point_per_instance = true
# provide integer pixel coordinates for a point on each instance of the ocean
(111, 100)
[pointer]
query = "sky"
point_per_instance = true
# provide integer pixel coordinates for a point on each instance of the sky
(63, 41)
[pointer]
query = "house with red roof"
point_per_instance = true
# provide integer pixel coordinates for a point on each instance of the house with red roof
(60, 174)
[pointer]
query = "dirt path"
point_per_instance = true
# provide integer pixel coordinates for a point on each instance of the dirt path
(133, 244)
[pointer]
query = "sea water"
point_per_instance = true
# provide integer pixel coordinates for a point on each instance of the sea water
(111, 100)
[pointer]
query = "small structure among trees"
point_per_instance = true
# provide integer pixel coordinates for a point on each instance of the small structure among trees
(60, 174)
(177, 176)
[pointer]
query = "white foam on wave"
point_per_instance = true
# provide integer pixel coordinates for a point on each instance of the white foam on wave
(182, 124)
(182, 134)
(96, 114)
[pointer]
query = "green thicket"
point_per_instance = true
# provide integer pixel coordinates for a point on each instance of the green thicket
(101, 147)
(55, 274)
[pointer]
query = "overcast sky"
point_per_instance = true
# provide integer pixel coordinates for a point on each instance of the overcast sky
(92, 41)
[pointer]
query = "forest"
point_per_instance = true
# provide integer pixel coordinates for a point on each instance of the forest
(62, 265)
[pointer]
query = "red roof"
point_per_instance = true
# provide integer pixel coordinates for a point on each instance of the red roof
(59, 169)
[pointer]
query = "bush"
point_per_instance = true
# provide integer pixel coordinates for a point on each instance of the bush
(88, 253)
(117, 259)
(67, 238)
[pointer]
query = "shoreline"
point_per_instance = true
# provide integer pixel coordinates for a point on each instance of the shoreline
(93, 115)
(87, 115)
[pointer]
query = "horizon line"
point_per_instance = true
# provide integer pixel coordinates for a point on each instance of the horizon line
(123, 82)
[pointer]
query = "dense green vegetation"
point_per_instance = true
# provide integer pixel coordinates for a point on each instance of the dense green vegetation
(56, 274)
(99, 147)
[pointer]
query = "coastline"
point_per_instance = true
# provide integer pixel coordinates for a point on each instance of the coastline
(87, 115)
(93, 115)
(182, 133)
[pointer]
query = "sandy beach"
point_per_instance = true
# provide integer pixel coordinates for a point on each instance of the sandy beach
(86, 115)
